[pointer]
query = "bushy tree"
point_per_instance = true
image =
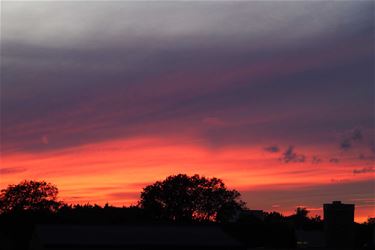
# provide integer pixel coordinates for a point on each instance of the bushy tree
(302, 212)
(370, 221)
(29, 195)
(187, 198)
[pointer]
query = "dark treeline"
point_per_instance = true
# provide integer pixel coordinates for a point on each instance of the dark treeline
(180, 199)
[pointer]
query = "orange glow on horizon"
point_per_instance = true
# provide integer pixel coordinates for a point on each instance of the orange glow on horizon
(116, 171)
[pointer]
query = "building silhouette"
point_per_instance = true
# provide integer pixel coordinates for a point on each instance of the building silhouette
(339, 224)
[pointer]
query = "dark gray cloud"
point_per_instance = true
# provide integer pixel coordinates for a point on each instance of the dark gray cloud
(272, 149)
(350, 137)
(334, 160)
(372, 146)
(345, 144)
(364, 170)
(316, 160)
(365, 157)
(290, 156)
(357, 134)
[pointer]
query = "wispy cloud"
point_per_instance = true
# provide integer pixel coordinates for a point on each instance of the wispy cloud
(345, 144)
(364, 157)
(357, 134)
(316, 160)
(334, 160)
(272, 149)
(290, 156)
(349, 137)
(364, 170)
(6, 171)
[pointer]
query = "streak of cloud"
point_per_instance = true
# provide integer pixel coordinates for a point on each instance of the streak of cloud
(364, 170)
(334, 160)
(290, 156)
(272, 149)
(349, 137)
(345, 144)
(15, 170)
(316, 160)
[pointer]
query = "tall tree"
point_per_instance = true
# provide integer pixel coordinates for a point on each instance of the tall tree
(187, 198)
(29, 195)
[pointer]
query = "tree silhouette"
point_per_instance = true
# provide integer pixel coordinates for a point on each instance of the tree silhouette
(370, 221)
(188, 198)
(29, 195)
(302, 212)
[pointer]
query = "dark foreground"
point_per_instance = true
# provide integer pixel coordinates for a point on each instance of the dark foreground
(93, 227)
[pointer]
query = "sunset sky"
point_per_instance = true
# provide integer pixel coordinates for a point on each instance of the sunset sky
(276, 98)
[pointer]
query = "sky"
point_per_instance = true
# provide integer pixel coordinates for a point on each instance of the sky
(276, 98)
